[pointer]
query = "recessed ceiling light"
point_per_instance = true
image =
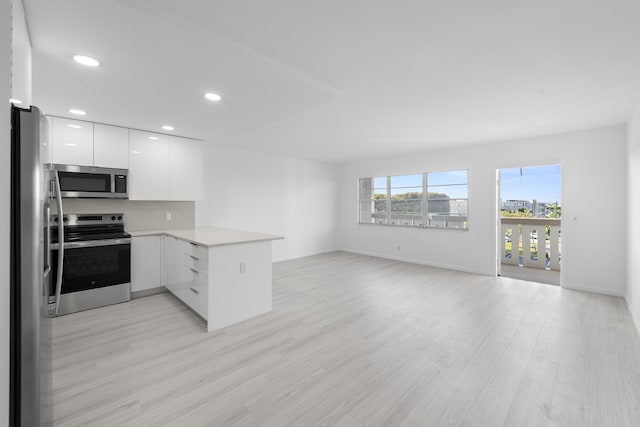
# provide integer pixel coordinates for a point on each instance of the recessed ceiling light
(86, 60)
(153, 137)
(78, 112)
(212, 96)
(15, 101)
(135, 152)
(167, 127)
(75, 126)
(68, 144)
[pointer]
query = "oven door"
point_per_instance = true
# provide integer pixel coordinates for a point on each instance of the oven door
(94, 264)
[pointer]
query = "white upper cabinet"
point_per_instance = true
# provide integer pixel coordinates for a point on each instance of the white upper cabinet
(161, 167)
(72, 142)
(149, 166)
(110, 146)
(186, 169)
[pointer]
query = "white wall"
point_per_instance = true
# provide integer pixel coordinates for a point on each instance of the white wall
(20, 55)
(633, 182)
(5, 168)
(16, 79)
(271, 194)
(593, 166)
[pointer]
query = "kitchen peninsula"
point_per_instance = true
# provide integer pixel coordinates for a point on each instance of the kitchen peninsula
(223, 275)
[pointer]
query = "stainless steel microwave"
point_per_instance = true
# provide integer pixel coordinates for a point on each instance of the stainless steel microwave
(73, 181)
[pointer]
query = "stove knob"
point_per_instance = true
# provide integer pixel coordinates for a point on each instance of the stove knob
(65, 219)
(57, 220)
(119, 217)
(113, 218)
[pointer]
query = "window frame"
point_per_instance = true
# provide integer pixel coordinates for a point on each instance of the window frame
(425, 220)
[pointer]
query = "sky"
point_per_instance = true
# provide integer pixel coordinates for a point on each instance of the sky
(535, 182)
(539, 182)
(452, 183)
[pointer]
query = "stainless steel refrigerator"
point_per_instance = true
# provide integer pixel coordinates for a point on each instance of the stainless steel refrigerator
(30, 282)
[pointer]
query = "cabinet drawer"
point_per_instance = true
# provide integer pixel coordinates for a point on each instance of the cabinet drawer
(194, 249)
(196, 263)
(199, 300)
(195, 294)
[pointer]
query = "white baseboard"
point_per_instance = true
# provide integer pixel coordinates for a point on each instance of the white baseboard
(595, 290)
(591, 289)
(324, 251)
(419, 261)
(147, 292)
(634, 320)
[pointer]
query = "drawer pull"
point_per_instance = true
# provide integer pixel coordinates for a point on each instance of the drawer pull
(194, 290)
(194, 270)
(194, 257)
(193, 244)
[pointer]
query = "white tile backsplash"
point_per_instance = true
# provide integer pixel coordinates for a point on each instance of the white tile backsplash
(139, 215)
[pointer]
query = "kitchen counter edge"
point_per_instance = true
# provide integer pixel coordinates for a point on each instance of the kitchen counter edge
(209, 236)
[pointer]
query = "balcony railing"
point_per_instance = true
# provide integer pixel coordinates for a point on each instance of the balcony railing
(417, 220)
(532, 242)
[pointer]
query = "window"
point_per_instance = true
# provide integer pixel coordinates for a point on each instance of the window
(436, 199)
(405, 193)
(447, 197)
(373, 200)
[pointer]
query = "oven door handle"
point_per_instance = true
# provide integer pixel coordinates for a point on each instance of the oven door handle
(60, 244)
(93, 243)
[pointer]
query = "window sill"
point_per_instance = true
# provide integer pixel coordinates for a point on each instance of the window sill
(417, 227)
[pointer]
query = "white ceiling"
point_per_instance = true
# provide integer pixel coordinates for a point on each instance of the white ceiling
(338, 80)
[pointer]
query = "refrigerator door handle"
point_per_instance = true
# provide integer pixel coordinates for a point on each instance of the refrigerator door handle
(61, 244)
(47, 241)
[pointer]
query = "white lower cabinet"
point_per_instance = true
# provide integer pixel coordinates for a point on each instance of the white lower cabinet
(187, 274)
(146, 263)
(223, 284)
(172, 264)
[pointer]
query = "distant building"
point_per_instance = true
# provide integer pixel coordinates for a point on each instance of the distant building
(458, 207)
(539, 209)
(516, 205)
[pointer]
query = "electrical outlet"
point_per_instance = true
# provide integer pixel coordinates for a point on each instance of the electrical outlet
(243, 266)
(167, 216)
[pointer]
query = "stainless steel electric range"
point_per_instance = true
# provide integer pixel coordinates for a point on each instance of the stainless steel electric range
(91, 261)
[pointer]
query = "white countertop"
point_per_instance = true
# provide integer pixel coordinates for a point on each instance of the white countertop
(210, 236)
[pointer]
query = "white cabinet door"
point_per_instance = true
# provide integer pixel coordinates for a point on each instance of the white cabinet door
(110, 146)
(172, 262)
(72, 142)
(146, 262)
(149, 166)
(186, 169)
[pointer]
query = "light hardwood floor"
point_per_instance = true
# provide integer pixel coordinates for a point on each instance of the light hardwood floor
(357, 341)
(550, 277)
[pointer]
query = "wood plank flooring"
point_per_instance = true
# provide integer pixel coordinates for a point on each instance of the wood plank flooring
(550, 277)
(357, 341)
